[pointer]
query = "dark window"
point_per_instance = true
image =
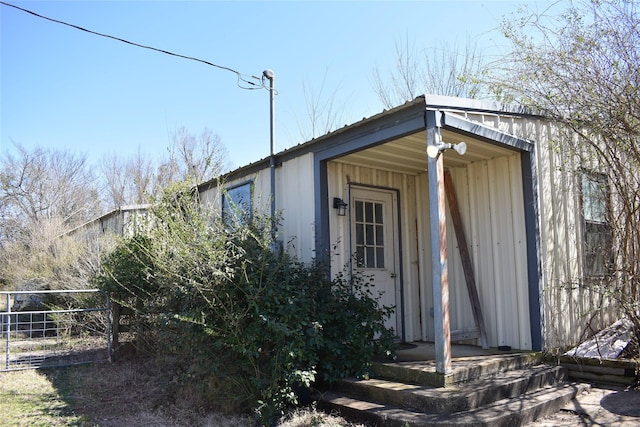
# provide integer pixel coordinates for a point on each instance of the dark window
(596, 214)
(236, 203)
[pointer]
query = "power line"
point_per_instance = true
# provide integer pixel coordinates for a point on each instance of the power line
(241, 77)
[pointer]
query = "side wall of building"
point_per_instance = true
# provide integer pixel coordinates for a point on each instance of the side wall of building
(295, 202)
(571, 310)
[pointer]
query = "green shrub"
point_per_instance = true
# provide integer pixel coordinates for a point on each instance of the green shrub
(241, 325)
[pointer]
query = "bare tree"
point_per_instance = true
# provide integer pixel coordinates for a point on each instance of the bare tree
(43, 184)
(115, 181)
(192, 158)
(128, 181)
(451, 70)
(324, 113)
(43, 193)
(137, 179)
(46, 192)
(581, 67)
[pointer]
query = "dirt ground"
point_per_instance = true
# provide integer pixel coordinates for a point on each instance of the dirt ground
(603, 405)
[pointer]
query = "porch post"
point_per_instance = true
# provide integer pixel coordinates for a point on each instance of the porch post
(437, 220)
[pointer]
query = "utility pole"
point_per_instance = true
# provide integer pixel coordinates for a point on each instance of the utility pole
(269, 75)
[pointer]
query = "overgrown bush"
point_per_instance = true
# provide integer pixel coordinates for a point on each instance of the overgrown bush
(244, 325)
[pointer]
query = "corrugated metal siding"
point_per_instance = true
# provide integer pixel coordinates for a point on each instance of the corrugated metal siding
(294, 202)
(569, 307)
(491, 201)
(210, 199)
(570, 310)
(490, 198)
(125, 221)
(112, 224)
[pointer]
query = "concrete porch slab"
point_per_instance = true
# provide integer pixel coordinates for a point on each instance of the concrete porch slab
(416, 363)
(426, 351)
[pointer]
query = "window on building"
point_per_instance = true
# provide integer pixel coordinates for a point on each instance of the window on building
(596, 214)
(236, 203)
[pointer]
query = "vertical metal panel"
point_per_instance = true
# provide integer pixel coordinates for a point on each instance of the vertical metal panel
(482, 248)
(559, 321)
(423, 238)
(490, 196)
(262, 191)
(210, 199)
(567, 305)
(295, 202)
(340, 175)
(501, 231)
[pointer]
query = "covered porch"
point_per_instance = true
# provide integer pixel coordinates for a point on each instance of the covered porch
(427, 274)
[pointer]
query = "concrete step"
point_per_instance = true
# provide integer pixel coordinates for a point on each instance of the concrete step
(509, 412)
(455, 398)
(464, 369)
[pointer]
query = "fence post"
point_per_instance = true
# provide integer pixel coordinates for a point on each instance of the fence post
(8, 331)
(115, 322)
(108, 326)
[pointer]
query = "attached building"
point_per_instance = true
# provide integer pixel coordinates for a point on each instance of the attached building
(369, 198)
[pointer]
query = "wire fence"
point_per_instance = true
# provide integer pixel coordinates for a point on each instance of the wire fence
(42, 329)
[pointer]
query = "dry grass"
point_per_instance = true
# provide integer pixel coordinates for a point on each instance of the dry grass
(312, 418)
(127, 393)
(28, 399)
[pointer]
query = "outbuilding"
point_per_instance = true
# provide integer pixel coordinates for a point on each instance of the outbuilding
(470, 217)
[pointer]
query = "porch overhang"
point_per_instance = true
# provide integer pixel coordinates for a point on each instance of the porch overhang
(443, 126)
(487, 134)
(396, 140)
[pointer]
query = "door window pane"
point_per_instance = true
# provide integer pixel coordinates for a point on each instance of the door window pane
(378, 208)
(360, 234)
(370, 258)
(369, 229)
(370, 236)
(368, 211)
(379, 235)
(380, 257)
(359, 211)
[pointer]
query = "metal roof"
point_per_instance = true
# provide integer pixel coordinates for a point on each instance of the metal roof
(410, 146)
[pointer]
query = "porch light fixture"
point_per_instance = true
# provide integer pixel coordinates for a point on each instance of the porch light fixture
(340, 206)
(434, 151)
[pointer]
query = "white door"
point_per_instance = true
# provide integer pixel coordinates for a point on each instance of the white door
(374, 242)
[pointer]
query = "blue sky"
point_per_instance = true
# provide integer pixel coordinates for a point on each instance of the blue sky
(63, 88)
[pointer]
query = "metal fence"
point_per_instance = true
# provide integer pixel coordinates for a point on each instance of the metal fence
(54, 328)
